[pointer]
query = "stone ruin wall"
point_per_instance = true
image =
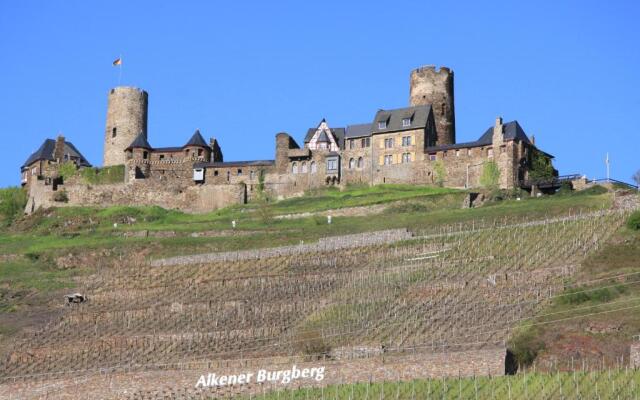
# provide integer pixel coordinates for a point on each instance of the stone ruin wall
(187, 198)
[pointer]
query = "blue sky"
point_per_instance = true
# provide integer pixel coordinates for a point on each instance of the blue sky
(569, 72)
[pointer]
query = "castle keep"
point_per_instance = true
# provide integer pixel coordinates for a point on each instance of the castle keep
(412, 145)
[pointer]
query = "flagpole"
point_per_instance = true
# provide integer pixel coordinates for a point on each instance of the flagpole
(607, 162)
(120, 70)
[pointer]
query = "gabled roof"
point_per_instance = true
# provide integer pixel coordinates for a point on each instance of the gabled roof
(45, 152)
(140, 142)
(338, 134)
(512, 131)
(419, 115)
(197, 140)
(358, 130)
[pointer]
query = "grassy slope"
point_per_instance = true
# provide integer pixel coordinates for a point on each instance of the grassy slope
(575, 337)
(620, 384)
(33, 277)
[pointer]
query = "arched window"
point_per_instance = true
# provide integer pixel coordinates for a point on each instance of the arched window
(304, 168)
(352, 163)
(314, 169)
(294, 168)
(360, 162)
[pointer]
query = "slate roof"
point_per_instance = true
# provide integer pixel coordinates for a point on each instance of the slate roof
(140, 142)
(197, 140)
(253, 163)
(358, 130)
(418, 115)
(45, 152)
(512, 131)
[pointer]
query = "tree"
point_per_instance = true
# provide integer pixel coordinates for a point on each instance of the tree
(490, 178)
(12, 203)
(440, 173)
(541, 167)
(636, 178)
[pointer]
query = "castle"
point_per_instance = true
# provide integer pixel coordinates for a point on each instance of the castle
(411, 145)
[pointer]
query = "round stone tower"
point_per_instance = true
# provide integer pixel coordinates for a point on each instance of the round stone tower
(126, 118)
(435, 87)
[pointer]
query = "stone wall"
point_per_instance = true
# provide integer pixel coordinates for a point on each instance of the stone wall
(634, 355)
(187, 198)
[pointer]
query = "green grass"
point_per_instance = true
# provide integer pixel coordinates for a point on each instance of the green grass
(607, 384)
(70, 228)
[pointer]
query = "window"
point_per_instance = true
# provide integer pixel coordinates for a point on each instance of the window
(365, 142)
(406, 122)
(162, 156)
(406, 141)
(239, 172)
(444, 154)
(388, 159)
(294, 168)
(352, 144)
(215, 172)
(252, 174)
(502, 149)
(489, 152)
(388, 143)
(469, 152)
(145, 155)
(457, 153)
(228, 176)
(406, 158)
(322, 145)
(200, 152)
(113, 132)
(304, 167)
(432, 157)
(352, 163)
(314, 169)
(360, 162)
(332, 164)
(382, 124)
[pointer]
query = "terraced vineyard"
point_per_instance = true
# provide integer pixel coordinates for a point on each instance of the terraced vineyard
(460, 288)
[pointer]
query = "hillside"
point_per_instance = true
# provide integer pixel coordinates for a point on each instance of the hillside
(404, 281)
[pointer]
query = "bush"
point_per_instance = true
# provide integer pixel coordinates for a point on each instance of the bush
(633, 222)
(490, 178)
(402, 208)
(104, 175)
(13, 200)
(525, 345)
(61, 197)
(440, 173)
(311, 343)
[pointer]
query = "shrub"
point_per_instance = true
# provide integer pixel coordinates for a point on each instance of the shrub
(541, 167)
(311, 343)
(633, 222)
(440, 173)
(13, 200)
(490, 178)
(402, 208)
(525, 345)
(104, 175)
(61, 197)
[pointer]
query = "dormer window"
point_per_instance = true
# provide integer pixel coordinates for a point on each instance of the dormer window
(382, 124)
(406, 122)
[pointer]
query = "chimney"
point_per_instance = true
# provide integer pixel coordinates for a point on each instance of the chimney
(58, 150)
(533, 140)
(498, 132)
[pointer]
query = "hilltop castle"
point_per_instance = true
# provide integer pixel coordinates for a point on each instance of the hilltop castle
(415, 145)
